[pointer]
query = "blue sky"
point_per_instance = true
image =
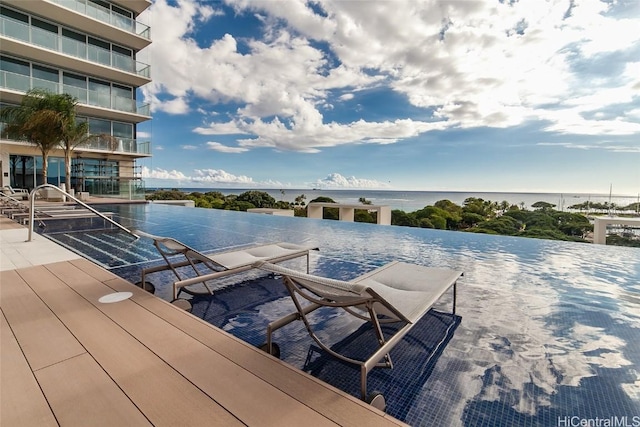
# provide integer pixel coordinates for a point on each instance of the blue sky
(447, 95)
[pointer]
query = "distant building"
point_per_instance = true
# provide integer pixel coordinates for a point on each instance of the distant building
(86, 48)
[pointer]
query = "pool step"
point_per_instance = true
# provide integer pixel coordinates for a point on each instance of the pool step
(110, 248)
(58, 214)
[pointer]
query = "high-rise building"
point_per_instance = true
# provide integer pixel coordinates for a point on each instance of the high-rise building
(86, 48)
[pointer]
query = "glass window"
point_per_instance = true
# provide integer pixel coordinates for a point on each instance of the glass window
(21, 171)
(12, 65)
(44, 34)
(55, 170)
(123, 51)
(99, 10)
(123, 58)
(46, 78)
(74, 44)
(15, 74)
(123, 130)
(9, 13)
(14, 24)
(99, 93)
(123, 91)
(121, 11)
(98, 51)
(75, 85)
(99, 127)
(122, 98)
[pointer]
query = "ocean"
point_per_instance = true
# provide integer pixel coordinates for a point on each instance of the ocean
(410, 201)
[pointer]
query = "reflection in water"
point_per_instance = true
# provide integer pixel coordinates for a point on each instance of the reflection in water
(549, 329)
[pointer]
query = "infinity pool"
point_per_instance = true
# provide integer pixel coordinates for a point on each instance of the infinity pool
(546, 333)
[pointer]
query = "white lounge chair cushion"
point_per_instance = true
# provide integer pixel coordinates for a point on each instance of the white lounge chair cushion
(411, 289)
(244, 257)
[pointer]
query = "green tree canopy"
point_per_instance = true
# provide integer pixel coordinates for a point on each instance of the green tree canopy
(41, 119)
(543, 205)
(258, 199)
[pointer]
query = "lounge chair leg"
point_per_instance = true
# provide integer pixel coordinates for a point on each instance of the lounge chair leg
(271, 348)
(377, 400)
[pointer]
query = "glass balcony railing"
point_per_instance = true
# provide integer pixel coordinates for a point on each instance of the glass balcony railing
(18, 30)
(118, 145)
(111, 143)
(106, 15)
(22, 83)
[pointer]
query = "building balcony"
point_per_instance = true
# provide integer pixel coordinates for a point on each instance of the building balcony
(92, 103)
(90, 17)
(113, 145)
(137, 6)
(27, 41)
(117, 146)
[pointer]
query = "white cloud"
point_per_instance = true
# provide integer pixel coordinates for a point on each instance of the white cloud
(188, 147)
(158, 173)
(216, 146)
(606, 146)
(200, 176)
(335, 180)
(220, 176)
(469, 64)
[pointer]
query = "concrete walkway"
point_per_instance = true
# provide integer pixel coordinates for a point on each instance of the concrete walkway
(16, 252)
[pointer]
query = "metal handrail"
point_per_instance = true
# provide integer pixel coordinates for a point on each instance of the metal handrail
(32, 203)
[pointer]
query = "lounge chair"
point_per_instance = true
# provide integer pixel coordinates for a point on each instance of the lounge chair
(16, 193)
(213, 266)
(396, 292)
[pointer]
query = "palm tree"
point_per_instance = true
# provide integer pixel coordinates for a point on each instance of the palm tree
(40, 119)
(75, 134)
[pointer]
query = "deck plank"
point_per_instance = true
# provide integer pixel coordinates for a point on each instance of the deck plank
(162, 394)
(92, 398)
(251, 399)
(21, 400)
(344, 409)
(43, 338)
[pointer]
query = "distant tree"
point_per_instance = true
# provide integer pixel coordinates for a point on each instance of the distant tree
(299, 200)
(470, 219)
(504, 225)
(426, 223)
(239, 205)
(448, 206)
(322, 199)
(479, 206)
(543, 205)
(572, 224)
(403, 218)
(438, 222)
(364, 201)
(362, 215)
(436, 214)
(166, 195)
(258, 199)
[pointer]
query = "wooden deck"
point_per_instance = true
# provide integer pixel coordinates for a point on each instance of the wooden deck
(67, 359)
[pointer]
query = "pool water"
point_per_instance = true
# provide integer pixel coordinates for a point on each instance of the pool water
(546, 333)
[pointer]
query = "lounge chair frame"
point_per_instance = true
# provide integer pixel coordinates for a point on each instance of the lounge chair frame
(177, 255)
(358, 298)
